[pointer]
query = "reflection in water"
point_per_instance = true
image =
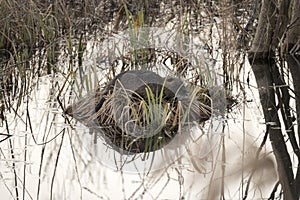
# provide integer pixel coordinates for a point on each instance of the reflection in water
(66, 163)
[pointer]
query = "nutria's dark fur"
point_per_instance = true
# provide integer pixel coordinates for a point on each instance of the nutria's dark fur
(150, 79)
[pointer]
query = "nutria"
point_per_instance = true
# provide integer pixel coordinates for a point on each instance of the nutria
(136, 80)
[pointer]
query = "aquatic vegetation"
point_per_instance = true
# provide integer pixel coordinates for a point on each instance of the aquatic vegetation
(138, 111)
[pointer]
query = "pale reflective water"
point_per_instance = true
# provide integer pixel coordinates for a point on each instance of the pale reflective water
(50, 156)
